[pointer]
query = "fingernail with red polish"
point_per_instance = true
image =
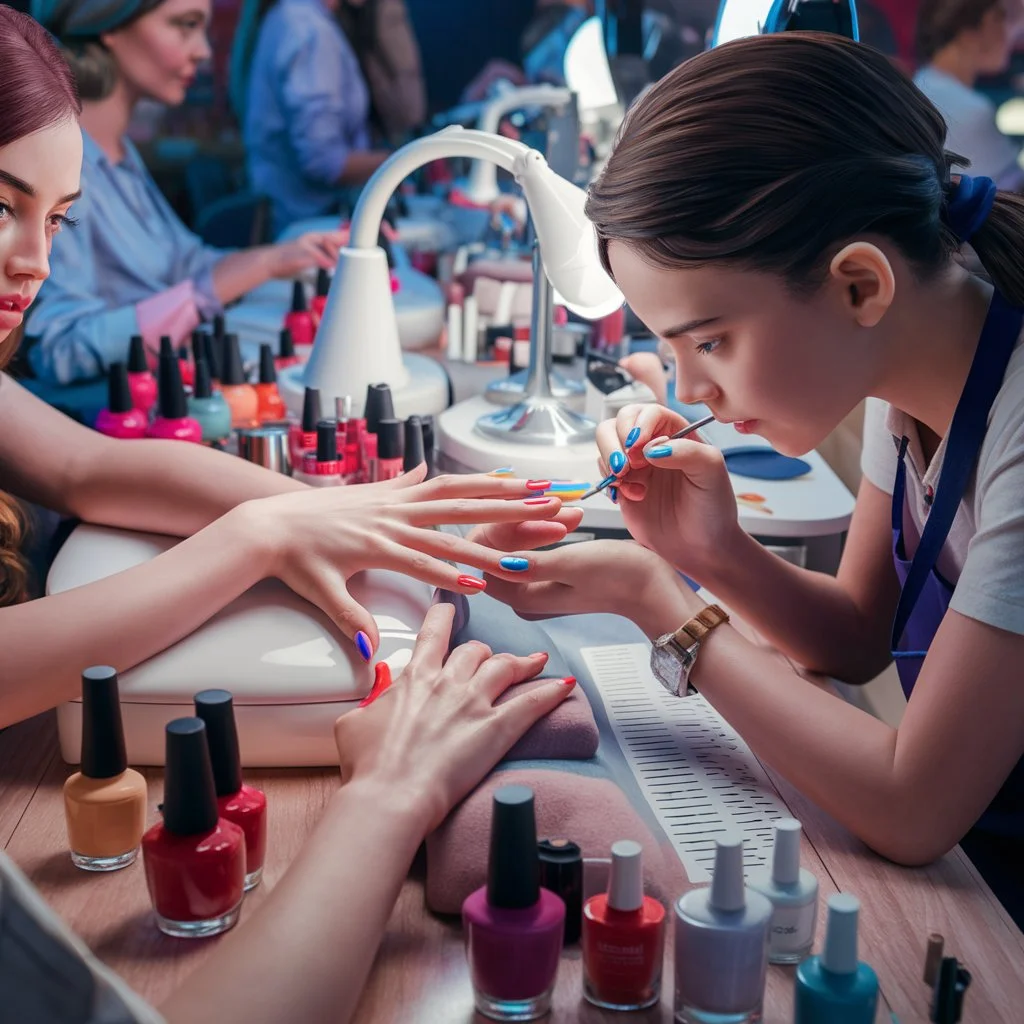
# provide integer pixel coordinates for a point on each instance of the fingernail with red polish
(538, 485)
(568, 681)
(381, 681)
(537, 501)
(364, 645)
(472, 581)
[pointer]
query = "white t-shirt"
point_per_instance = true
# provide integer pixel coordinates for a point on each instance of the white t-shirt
(971, 118)
(984, 552)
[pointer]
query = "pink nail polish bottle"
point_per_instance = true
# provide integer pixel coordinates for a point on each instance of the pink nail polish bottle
(513, 927)
(140, 380)
(299, 320)
(120, 418)
(319, 303)
(285, 350)
(302, 436)
(172, 421)
(390, 441)
(322, 468)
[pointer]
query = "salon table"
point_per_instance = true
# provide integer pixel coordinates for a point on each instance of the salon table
(420, 974)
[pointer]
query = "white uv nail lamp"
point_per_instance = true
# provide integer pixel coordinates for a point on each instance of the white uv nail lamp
(291, 671)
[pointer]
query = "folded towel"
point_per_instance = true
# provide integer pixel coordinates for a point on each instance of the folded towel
(569, 732)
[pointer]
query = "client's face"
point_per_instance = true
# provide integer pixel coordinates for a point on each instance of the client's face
(39, 180)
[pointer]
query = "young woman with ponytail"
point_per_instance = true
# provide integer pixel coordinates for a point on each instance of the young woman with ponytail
(781, 211)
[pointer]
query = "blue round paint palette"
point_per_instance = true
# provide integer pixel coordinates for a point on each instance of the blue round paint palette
(759, 462)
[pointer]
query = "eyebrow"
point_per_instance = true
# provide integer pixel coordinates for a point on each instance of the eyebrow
(28, 190)
(690, 325)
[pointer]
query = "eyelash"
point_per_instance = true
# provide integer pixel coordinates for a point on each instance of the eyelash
(705, 348)
(55, 223)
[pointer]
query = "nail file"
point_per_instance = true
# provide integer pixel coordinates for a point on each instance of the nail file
(695, 772)
(677, 436)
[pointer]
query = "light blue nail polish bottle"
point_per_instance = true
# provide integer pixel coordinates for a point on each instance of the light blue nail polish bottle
(209, 408)
(835, 988)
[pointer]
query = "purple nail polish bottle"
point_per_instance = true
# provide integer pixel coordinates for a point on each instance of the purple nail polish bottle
(513, 927)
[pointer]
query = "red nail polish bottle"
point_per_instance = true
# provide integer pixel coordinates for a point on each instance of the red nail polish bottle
(299, 320)
(319, 303)
(195, 860)
(623, 938)
(244, 805)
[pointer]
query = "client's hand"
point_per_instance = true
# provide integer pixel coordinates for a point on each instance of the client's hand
(313, 249)
(435, 732)
(315, 540)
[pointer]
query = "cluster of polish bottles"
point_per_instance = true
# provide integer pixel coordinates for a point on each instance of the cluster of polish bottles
(347, 449)
(201, 400)
(209, 847)
(725, 934)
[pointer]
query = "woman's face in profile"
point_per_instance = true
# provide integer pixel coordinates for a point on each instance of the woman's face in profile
(39, 180)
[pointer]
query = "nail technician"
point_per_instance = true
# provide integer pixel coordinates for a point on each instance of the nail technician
(241, 523)
(785, 308)
(959, 41)
(130, 266)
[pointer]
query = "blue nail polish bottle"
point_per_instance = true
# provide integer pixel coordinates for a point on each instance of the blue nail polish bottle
(834, 988)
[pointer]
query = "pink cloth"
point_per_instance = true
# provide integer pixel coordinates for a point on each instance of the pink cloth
(569, 732)
(592, 812)
(173, 312)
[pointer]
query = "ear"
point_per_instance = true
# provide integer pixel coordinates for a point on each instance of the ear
(866, 280)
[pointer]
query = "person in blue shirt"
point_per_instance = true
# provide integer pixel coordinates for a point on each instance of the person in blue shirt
(307, 111)
(130, 266)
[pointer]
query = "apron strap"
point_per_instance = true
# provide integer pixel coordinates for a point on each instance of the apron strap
(970, 421)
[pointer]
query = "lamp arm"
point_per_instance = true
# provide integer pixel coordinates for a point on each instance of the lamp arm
(454, 141)
(527, 96)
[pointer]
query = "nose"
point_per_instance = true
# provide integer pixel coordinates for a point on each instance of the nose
(204, 51)
(30, 257)
(694, 388)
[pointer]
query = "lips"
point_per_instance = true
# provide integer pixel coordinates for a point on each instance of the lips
(14, 303)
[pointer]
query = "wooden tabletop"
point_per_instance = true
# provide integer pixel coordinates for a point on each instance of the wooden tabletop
(420, 976)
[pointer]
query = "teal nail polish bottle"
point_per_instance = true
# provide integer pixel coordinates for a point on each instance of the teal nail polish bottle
(834, 988)
(208, 407)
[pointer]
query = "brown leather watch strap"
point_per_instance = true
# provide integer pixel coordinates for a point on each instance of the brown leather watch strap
(700, 625)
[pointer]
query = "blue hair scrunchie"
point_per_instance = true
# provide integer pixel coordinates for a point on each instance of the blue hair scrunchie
(82, 20)
(969, 206)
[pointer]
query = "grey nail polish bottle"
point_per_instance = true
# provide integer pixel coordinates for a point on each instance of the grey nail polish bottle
(793, 892)
(721, 949)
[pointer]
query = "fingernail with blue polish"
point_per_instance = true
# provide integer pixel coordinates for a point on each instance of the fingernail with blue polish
(661, 452)
(617, 462)
(613, 493)
(632, 437)
(513, 564)
(363, 643)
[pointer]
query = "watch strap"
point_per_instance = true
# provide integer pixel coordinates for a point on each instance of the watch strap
(707, 619)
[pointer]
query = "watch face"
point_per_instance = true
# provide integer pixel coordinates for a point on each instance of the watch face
(667, 667)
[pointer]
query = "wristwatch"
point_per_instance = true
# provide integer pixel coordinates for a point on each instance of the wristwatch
(674, 654)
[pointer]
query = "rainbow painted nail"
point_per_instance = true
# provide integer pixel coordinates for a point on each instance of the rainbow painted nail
(538, 485)
(504, 471)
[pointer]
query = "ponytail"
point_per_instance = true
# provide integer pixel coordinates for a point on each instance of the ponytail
(999, 244)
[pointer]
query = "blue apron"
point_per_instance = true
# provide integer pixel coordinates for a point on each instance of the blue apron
(996, 843)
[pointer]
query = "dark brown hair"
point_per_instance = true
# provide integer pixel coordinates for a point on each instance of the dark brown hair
(939, 22)
(771, 153)
(38, 92)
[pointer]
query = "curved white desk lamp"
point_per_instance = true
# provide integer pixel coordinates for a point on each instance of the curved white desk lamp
(589, 75)
(357, 343)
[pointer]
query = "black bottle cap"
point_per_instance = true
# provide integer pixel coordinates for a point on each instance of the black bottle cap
(379, 406)
(137, 362)
(390, 436)
(232, 372)
(190, 799)
(166, 345)
(202, 386)
(327, 441)
(103, 754)
(215, 708)
(414, 453)
(513, 867)
(171, 390)
(219, 325)
(561, 872)
(268, 372)
(298, 297)
(198, 346)
(323, 282)
(119, 395)
(310, 410)
(285, 344)
(427, 423)
(213, 349)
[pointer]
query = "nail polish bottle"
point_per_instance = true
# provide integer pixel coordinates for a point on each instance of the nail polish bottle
(184, 366)
(271, 406)
(513, 927)
(120, 418)
(834, 988)
(379, 406)
(390, 438)
(343, 413)
(414, 454)
(172, 420)
(322, 467)
(141, 382)
(319, 303)
(195, 860)
(623, 938)
(237, 391)
(302, 435)
(793, 892)
(214, 349)
(285, 350)
(218, 327)
(721, 950)
(105, 801)
(244, 805)
(299, 320)
(208, 408)
(427, 423)
(561, 872)
(355, 471)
